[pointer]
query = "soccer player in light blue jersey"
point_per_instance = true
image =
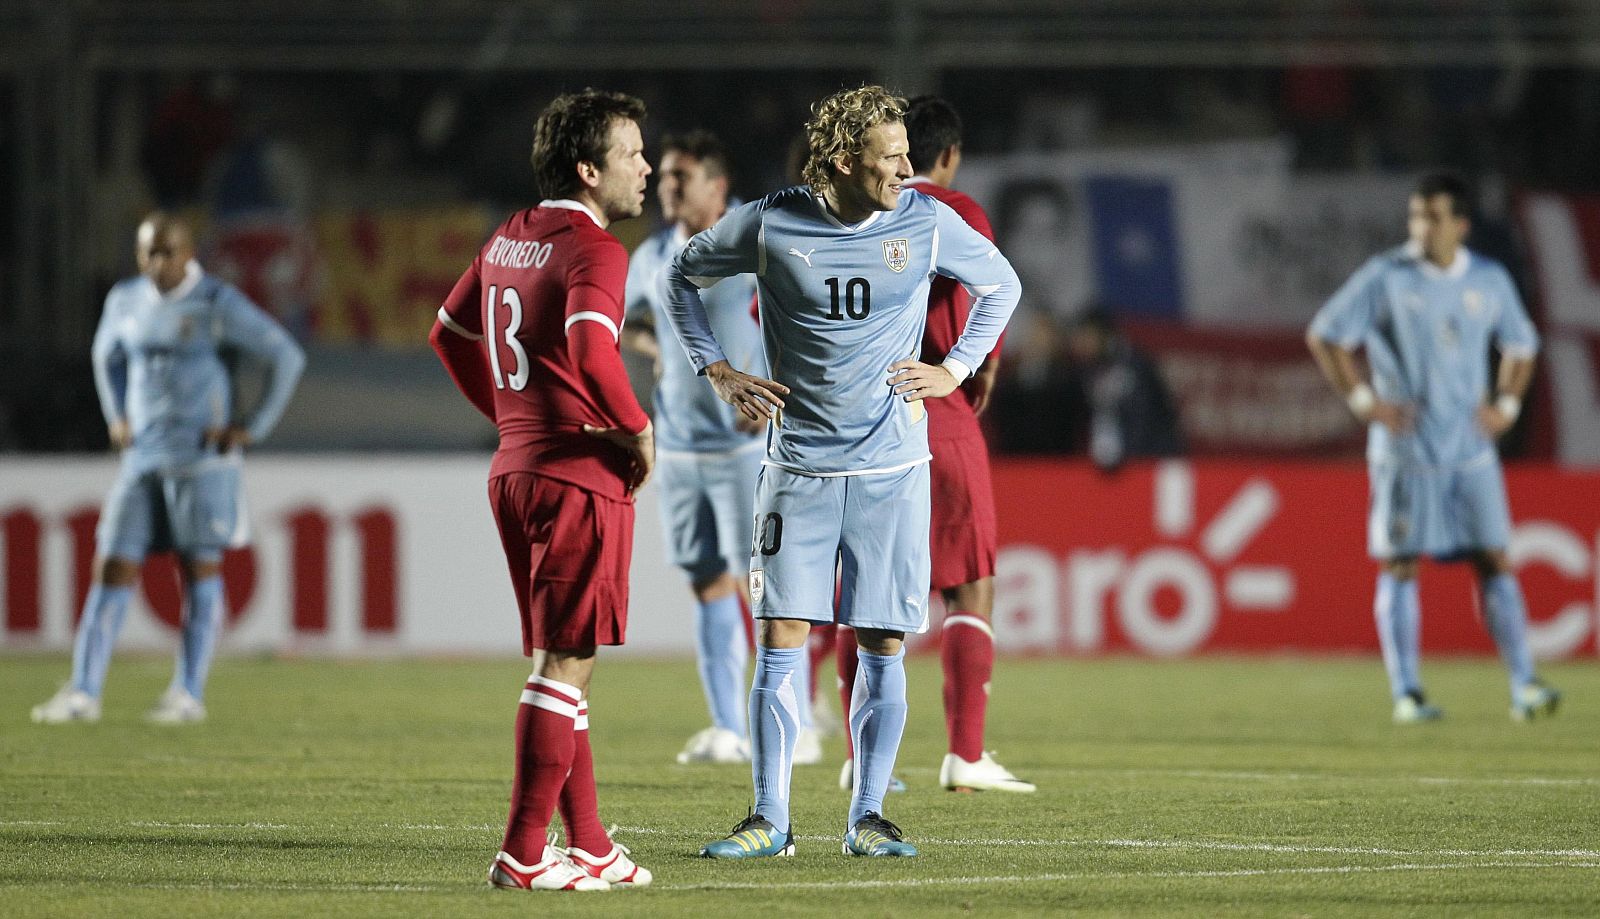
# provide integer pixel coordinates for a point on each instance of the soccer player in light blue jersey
(1426, 315)
(708, 454)
(843, 266)
(168, 403)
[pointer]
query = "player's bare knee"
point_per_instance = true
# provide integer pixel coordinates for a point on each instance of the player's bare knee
(880, 641)
(972, 599)
(194, 569)
(116, 572)
(784, 633)
(710, 590)
(572, 666)
(1401, 569)
(1491, 563)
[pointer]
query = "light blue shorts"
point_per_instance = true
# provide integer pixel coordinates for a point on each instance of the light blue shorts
(874, 528)
(197, 511)
(707, 503)
(1441, 513)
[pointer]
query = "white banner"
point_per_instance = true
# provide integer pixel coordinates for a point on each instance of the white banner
(351, 555)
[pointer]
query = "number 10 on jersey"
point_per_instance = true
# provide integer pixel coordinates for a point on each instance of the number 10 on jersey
(857, 299)
(512, 301)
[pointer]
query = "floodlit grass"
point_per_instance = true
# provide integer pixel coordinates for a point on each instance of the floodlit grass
(1271, 787)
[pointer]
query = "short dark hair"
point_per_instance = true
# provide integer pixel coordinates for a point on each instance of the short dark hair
(701, 145)
(573, 129)
(932, 126)
(1445, 182)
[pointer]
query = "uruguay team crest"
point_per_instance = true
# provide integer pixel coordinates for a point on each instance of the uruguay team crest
(897, 254)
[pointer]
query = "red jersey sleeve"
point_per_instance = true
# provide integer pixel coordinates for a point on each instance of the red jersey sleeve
(596, 280)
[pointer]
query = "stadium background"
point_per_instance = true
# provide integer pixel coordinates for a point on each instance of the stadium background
(1208, 171)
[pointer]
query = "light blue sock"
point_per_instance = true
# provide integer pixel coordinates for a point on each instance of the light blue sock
(877, 719)
(802, 682)
(1507, 619)
(103, 612)
(774, 721)
(202, 620)
(723, 647)
(1399, 632)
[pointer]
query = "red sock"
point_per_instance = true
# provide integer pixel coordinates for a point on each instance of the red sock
(580, 803)
(845, 649)
(544, 757)
(966, 647)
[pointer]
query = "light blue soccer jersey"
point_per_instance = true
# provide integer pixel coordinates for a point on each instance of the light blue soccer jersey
(157, 364)
(1427, 332)
(689, 418)
(839, 304)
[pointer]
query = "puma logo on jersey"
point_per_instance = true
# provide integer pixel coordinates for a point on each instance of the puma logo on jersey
(806, 256)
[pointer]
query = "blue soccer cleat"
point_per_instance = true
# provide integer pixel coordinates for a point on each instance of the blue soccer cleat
(754, 837)
(874, 836)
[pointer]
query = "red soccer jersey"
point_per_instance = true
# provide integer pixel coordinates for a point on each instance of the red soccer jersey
(545, 269)
(948, 305)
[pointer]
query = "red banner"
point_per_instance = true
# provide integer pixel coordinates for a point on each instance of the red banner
(1248, 393)
(1180, 558)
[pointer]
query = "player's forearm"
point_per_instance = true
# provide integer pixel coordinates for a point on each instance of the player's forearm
(687, 313)
(1338, 364)
(595, 354)
(641, 340)
(1516, 375)
(111, 385)
(288, 363)
(468, 367)
(986, 322)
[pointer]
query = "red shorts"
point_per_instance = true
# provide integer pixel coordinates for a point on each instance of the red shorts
(569, 551)
(964, 532)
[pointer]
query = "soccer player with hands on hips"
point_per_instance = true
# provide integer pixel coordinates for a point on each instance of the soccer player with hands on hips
(529, 335)
(843, 266)
(709, 453)
(1425, 315)
(167, 397)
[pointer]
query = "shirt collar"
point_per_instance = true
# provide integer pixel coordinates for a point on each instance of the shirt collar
(192, 274)
(571, 205)
(831, 217)
(918, 180)
(1457, 270)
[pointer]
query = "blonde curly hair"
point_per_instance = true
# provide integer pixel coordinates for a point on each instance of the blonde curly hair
(839, 125)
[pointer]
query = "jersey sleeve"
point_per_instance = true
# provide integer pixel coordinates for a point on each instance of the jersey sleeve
(973, 214)
(1514, 333)
(1351, 312)
(962, 253)
(250, 329)
(597, 276)
(643, 278)
(110, 363)
(461, 313)
(731, 247)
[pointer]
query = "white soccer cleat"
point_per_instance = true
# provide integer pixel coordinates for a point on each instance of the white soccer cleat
(807, 747)
(982, 774)
(1534, 700)
(176, 706)
(715, 745)
(554, 871)
(1412, 708)
(847, 779)
(68, 704)
(615, 868)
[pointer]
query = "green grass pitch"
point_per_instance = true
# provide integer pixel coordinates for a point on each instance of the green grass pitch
(1249, 787)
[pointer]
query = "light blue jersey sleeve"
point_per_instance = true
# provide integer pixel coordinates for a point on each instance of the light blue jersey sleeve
(1351, 312)
(1514, 333)
(246, 327)
(110, 360)
(730, 248)
(971, 259)
(643, 270)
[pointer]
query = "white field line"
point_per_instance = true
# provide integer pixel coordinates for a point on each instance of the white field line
(1235, 775)
(1197, 845)
(965, 881)
(1202, 845)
